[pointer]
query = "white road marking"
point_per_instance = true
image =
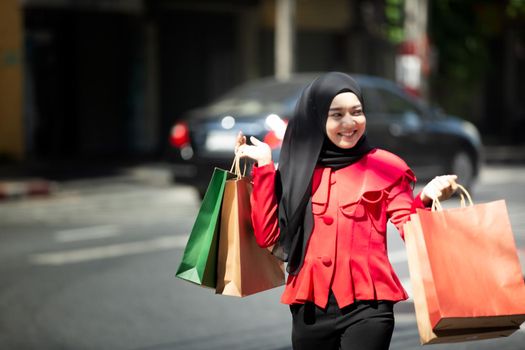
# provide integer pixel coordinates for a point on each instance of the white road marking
(86, 233)
(109, 251)
(398, 256)
(408, 287)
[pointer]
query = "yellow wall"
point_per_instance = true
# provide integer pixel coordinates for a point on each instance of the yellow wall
(11, 61)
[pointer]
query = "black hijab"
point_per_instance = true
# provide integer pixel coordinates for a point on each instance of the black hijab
(305, 144)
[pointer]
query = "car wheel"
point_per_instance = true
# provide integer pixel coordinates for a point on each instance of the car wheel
(462, 165)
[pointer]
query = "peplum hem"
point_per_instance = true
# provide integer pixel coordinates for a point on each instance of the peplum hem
(307, 286)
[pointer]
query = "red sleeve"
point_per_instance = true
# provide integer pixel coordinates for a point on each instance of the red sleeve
(401, 203)
(263, 200)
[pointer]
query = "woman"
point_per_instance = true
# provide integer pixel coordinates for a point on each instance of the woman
(325, 212)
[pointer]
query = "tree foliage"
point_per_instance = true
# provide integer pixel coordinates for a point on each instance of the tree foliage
(394, 18)
(468, 36)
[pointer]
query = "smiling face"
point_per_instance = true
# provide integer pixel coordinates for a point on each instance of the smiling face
(346, 122)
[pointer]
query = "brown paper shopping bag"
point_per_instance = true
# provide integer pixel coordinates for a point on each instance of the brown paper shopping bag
(420, 269)
(243, 268)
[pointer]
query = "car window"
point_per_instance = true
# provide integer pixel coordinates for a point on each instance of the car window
(371, 104)
(391, 103)
(258, 97)
(262, 93)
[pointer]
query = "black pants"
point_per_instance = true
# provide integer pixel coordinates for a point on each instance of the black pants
(366, 325)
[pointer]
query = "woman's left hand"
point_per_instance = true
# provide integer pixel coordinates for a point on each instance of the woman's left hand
(441, 188)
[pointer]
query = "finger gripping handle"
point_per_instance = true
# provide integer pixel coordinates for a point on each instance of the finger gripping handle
(436, 204)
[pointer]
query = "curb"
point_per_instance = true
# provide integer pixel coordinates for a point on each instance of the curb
(24, 188)
(504, 154)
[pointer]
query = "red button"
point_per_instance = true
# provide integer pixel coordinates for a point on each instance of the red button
(328, 220)
(326, 260)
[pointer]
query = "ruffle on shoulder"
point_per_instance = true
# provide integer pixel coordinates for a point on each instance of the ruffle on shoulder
(368, 180)
(363, 187)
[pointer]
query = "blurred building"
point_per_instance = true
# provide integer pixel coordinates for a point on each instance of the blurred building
(108, 77)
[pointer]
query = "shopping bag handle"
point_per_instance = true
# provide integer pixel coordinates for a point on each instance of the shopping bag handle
(436, 204)
(236, 167)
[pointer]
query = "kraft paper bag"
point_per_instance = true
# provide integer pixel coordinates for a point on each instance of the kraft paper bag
(474, 267)
(419, 269)
(243, 268)
(199, 260)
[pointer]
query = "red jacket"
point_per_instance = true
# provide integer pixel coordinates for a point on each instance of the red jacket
(347, 250)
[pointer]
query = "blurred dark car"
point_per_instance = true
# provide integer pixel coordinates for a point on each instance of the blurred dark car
(431, 142)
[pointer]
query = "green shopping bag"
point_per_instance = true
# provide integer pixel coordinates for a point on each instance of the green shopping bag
(199, 262)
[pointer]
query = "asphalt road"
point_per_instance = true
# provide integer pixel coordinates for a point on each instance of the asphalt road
(92, 267)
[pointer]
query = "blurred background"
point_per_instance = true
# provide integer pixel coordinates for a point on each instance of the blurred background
(87, 78)
(92, 221)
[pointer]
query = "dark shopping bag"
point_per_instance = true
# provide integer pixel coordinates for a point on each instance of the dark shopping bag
(199, 262)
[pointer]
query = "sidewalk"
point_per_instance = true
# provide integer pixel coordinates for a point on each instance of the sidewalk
(18, 188)
(505, 154)
(28, 179)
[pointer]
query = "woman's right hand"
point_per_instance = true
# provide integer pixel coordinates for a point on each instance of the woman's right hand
(259, 151)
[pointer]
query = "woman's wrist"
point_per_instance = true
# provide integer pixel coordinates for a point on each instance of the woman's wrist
(264, 161)
(427, 201)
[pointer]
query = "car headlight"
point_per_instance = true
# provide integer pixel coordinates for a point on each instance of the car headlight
(277, 127)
